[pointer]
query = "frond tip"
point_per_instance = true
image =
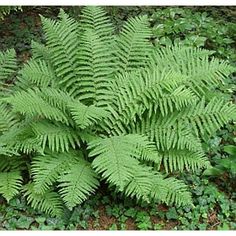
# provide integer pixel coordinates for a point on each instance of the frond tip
(49, 202)
(78, 182)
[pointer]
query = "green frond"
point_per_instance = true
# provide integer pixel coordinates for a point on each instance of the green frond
(178, 160)
(95, 67)
(95, 19)
(154, 91)
(37, 72)
(30, 103)
(63, 42)
(7, 64)
(5, 152)
(202, 73)
(57, 137)
(47, 169)
(207, 117)
(78, 182)
(10, 184)
(7, 118)
(166, 135)
(149, 185)
(57, 98)
(20, 138)
(49, 202)
(85, 116)
(133, 45)
(115, 157)
(141, 183)
(41, 52)
(170, 191)
(10, 161)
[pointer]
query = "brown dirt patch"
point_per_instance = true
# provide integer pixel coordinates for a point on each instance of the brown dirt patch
(105, 221)
(169, 225)
(130, 224)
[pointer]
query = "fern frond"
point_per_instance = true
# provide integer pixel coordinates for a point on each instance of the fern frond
(170, 191)
(49, 202)
(95, 19)
(32, 104)
(6, 151)
(57, 137)
(150, 185)
(7, 118)
(207, 117)
(115, 157)
(85, 116)
(20, 138)
(166, 135)
(141, 183)
(7, 64)
(151, 91)
(202, 73)
(78, 182)
(178, 160)
(94, 69)
(47, 169)
(62, 41)
(10, 161)
(37, 72)
(10, 184)
(133, 46)
(41, 52)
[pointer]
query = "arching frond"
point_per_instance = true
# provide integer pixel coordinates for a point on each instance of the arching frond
(178, 160)
(115, 157)
(166, 134)
(207, 117)
(95, 68)
(149, 185)
(62, 41)
(10, 184)
(134, 93)
(7, 64)
(133, 46)
(57, 137)
(10, 161)
(47, 169)
(41, 52)
(78, 182)
(85, 116)
(202, 73)
(170, 191)
(20, 138)
(37, 72)
(95, 19)
(32, 104)
(7, 118)
(49, 202)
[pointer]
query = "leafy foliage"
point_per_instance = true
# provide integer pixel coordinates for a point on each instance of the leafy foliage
(10, 183)
(136, 112)
(5, 10)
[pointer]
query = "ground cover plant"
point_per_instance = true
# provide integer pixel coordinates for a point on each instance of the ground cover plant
(150, 108)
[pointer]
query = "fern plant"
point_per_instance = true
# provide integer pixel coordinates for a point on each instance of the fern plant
(5, 10)
(92, 105)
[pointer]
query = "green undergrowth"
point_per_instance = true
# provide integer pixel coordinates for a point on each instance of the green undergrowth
(213, 210)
